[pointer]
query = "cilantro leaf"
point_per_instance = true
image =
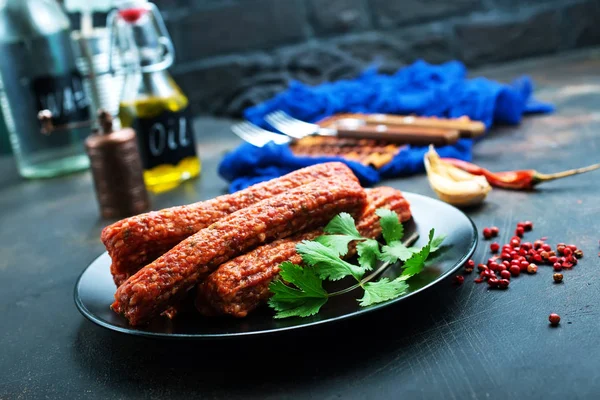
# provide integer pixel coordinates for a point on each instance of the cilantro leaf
(343, 224)
(338, 243)
(396, 251)
(436, 243)
(383, 290)
(368, 253)
(303, 300)
(391, 226)
(301, 307)
(303, 278)
(415, 264)
(326, 261)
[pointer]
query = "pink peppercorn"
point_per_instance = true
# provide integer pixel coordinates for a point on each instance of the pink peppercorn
(557, 266)
(546, 247)
(532, 269)
(487, 233)
(515, 270)
(503, 283)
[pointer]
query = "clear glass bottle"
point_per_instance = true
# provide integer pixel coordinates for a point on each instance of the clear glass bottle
(152, 103)
(37, 71)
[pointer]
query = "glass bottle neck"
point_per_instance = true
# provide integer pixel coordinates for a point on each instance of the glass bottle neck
(149, 84)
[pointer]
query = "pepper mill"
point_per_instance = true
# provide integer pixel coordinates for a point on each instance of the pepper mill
(117, 170)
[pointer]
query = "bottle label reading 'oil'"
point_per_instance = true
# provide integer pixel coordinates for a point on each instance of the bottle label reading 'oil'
(64, 96)
(167, 138)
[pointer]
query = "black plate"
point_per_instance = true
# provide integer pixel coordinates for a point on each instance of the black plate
(95, 289)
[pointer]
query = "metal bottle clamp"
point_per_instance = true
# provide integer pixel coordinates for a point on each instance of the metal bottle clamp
(164, 38)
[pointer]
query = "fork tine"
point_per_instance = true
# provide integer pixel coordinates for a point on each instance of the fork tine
(257, 136)
(290, 126)
(265, 134)
(243, 134)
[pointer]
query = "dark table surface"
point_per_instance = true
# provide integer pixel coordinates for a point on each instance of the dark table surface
(450, 342)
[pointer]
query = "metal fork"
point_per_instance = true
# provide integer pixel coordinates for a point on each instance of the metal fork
(291, 126)
(258, 136)
(359, 129)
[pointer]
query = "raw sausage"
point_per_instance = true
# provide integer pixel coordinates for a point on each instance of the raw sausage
(160, 284)
(242, 284)
(136, 241)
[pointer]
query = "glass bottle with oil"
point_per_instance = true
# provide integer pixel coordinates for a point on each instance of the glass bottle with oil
(152, 103)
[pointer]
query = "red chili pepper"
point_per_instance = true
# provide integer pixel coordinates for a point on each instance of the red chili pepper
(516, 180)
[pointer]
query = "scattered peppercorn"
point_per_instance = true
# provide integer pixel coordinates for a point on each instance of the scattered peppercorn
(520, 231)
(495, 231)
(503, 283)
(537, 244)
(567, 251)
(557, 266)
(532, 269)
(505, 274)
(494, 247)
(459, 279)
(572, 260)
(554, 319)
(528, 225)
(487, 233)
(557, 278)
(546, 247)
(578, 253)
(515, 270)
(482, 267)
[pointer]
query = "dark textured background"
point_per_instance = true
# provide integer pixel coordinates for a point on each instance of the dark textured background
(234, 53)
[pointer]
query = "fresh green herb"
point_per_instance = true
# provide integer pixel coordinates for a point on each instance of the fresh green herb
(416, 263)
(383, 290)
(303, 301)
(436, 243)
(343, 224)
(392, 228)
(342, 231)
(300, 290)
(326, 262)
(397, 251)
(337, 243)
(368, 253)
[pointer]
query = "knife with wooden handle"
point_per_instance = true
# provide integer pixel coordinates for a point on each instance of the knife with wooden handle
(464, 125)
(397, 134)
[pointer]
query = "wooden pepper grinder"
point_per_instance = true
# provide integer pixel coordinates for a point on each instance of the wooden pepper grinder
(117, 170)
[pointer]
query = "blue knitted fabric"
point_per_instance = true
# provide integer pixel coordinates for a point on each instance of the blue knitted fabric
(421, 89)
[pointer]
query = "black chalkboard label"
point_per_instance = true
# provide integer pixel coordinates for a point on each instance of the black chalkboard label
(167, 138)
(64, 96)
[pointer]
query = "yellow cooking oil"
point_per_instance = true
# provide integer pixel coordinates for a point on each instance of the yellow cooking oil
(169, 157)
